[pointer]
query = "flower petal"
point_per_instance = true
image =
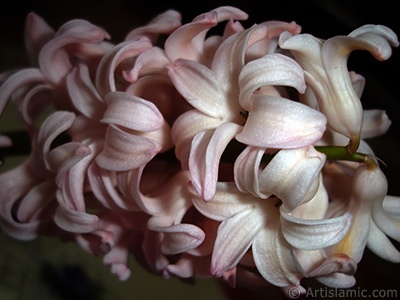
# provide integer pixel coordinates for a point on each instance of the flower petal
(246, 171)
(291, 173)
(83, 93)
(380, 244)
(180, 238)
(132, 112)
(271, 69)
(105, 75)
(275, 258)
(124, 151)
(164, 23)
(206, 95)
(235, 236)
(207, 148)
(314, 234)
(53, 58)
(228, 201)
(274, 122)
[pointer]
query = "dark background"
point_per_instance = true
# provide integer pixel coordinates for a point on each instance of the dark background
(323, 19)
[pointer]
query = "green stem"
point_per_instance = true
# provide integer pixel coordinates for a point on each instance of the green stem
(343, 153)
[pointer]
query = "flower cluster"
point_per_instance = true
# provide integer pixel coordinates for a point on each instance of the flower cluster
(238, 155)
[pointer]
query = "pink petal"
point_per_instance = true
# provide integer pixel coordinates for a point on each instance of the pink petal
(187, 41)
(105, 77)
(338, 263)
(53, 126)
(228, 202)
(16, 81)
(185, 128)
(205, 154)
(291, 174)
(375, 123)
(148, 61)
(230, 56)
(235, 236)
(273, 69)
(246, 171)
(53, 58)
(124, 151)
(164, 23)
(36, 201)
(381, 245)
(83, 93)
(275, 259)
(206, 95)
(37, 34)
(132, 112)
(314, 234)
(180, 238)
(103, 187)
(274, 122)
(72, 220)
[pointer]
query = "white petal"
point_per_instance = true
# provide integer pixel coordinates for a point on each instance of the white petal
(199, 86)
(204, 160)
(275, 258)
(227, 202)
(234, 238)
(132, 112)
(291, 174)
(380, 244)
(274, 122)
(314, 234)
(272, 69)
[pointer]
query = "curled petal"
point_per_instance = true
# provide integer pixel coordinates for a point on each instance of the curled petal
(132, 112)
(377, 39)
(375, 123)
(37, 34)
(103, 188)
(64, 157)
(229, 59)
(105, 77)
(271, 69)
(54, 60)
(246, 171)
(124, 151)
(291, 173)
(338, 263)
(274, 122)
(206, 95)
(314, 234)
(275, 258)
(235, 236)
(147, 61)
(180, 238)
(83, 93)
(72, 220)
(386, 215)
(186, 127)
(17, 81)
(164, 23)
(187, 41)
(54, 125)
(207, 148)
(381, 245)
(228, 201)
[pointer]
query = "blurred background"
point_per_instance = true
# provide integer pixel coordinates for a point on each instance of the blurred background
(48, 269)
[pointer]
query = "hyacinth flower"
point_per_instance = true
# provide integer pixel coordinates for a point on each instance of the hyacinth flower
(325, 66)
(217, 119)
(213, 155)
